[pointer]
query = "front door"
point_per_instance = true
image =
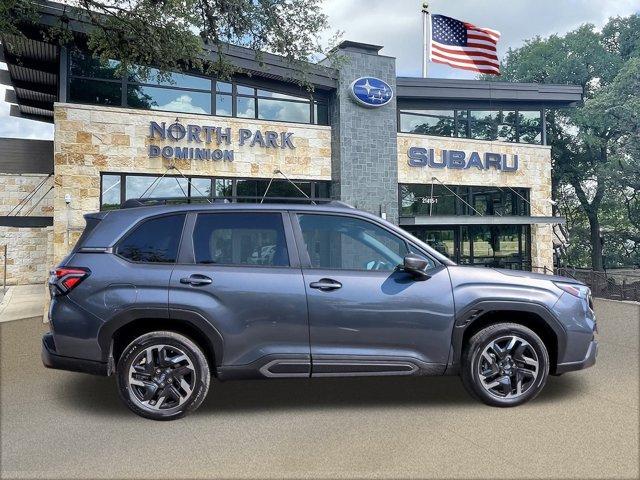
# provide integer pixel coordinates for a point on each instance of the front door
(240, 271)
(365, 316)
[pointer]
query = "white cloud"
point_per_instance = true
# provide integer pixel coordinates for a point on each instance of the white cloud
(184, 103)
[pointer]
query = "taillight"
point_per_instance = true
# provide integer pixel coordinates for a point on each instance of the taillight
(66, 279)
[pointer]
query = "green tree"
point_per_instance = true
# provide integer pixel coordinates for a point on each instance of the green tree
(594, 146)
(175, 34)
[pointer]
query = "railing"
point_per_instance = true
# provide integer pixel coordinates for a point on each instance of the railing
(616, 285)
(3, 249)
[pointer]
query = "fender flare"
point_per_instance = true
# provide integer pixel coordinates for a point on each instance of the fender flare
(476, 310)
(193, 319)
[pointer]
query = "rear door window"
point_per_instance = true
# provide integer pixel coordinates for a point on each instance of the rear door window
(154, 241)
(240, 239)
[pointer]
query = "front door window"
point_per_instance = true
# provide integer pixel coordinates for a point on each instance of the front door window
(346, 243)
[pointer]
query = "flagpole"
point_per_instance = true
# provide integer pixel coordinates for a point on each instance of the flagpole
(426, 37)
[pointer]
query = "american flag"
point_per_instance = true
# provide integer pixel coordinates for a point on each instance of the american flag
(463, 45)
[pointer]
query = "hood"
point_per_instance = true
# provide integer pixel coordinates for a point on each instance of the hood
(537, 276)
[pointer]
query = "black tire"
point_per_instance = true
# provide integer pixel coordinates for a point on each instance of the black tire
(171, 398)
(472, 358)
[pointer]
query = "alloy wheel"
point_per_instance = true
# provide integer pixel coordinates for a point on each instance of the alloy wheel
(508, 367)
(161, 377)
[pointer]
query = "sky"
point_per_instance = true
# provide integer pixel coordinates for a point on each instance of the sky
(397, 25)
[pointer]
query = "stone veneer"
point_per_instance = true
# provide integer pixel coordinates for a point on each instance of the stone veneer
(93, 139)
(534, 173)
(28, 249)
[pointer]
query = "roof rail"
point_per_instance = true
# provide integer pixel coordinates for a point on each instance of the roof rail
(149, 202)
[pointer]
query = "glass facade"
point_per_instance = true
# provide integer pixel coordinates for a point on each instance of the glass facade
(524, 126)
(116, 188)
(504, 246)
(94, 82)
(437, 199)
(500, 246)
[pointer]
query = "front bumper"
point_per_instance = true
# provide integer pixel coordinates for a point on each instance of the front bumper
(51, 359)
(588, 361)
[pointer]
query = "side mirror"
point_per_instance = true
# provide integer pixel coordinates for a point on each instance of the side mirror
(416, 265)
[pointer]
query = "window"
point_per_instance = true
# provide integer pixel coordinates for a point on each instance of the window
(117, 186)
(93, 81)
(503, 125)
(155, 241)
(420, 199)
(440, 123)
(167, 99)
(345, 243)
(240, 239)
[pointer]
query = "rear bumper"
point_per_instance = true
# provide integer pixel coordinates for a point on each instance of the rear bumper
(51, 359)
(588, 361)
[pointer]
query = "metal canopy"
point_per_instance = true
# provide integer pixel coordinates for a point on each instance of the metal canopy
(33, 74)
(480, 220)
(469, 92)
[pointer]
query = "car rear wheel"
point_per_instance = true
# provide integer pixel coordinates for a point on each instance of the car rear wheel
(505, 365)
(162, 375)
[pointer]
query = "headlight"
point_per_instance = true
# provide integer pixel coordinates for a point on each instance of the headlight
(580, 291)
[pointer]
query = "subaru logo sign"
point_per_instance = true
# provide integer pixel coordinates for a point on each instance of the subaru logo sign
(371, 92)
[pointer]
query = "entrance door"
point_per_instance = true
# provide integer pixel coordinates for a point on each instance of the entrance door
(364, 315)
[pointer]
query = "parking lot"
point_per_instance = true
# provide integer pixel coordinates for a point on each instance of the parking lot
(58, 424)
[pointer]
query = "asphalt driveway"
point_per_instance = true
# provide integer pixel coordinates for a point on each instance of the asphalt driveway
(56, 424)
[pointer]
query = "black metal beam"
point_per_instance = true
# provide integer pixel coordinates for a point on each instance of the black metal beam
(31, 64)
(25, 222)
(14, 111)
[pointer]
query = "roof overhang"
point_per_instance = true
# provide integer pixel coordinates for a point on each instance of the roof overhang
(468, 93)
(479, 220)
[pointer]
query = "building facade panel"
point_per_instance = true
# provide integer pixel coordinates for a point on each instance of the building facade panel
(90, 140)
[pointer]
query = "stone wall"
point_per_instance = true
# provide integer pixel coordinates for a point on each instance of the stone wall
(15, 188)
(364, 139)
(92, 139)
(28, 249)
(534, 173)
(28, 254)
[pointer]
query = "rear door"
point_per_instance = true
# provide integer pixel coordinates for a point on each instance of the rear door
(240, 270)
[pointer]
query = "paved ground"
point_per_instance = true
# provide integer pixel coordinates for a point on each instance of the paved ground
(584, 425)
(23, 301)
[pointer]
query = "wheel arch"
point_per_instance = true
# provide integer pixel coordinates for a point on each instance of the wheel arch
(533, 316)
(128, 325)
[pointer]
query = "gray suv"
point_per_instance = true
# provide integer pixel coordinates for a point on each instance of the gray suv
(165, 297)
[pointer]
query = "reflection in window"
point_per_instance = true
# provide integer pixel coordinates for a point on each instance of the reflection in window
(180, 80)
(417, 199)
(111, 188)
(530, 128)
(224, 187)
(245, 107)
(428, 122)
(321, 113)
(155, 241)
(95, 92)
(346, 243)
(200, 187)
(240, 239)
(283, 110)
(224, 105)
(83, 64)
(156, 98)
(154, 187)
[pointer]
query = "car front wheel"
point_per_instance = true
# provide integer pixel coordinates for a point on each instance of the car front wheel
(162, 375)
(505, 365)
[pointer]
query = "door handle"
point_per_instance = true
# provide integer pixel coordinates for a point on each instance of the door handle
(196, 280)
(326, 284)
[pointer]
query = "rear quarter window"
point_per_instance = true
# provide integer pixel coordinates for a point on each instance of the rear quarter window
(154, 241)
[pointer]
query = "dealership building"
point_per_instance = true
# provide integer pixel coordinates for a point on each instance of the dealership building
(464, 165)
